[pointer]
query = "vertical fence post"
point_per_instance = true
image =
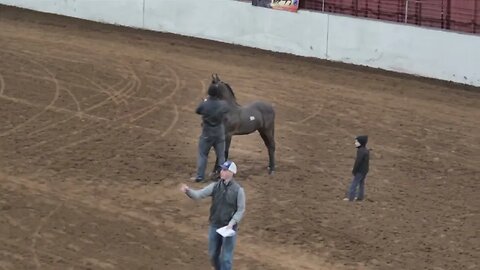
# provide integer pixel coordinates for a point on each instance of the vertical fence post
(366, 10)
(418, 12)
(475, 11)
(406, 11)
(378, 8)
(323, 5)
(399, 10)
(355, 7)
(449, 13)
(443, 14)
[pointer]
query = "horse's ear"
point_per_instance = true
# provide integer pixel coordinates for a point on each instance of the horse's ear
(216, 75)
(213, 78)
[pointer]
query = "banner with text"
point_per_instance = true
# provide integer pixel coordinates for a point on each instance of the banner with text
(289, 5)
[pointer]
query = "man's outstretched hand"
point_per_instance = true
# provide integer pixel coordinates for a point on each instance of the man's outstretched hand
(183, 188)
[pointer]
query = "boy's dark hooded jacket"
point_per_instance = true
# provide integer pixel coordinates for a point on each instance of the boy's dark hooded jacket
(363, 157)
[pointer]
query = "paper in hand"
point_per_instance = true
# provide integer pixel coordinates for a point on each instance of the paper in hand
(225, 232)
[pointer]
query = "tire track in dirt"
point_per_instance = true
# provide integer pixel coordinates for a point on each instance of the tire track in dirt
(153, 107)
(74, 114)
(45, 109)
(281, 258)
(146, 110)
(55, 55)
(112, 94)
(128, 94)
(105, 123)
(173, 123)
(57, 85)
(175, 120)
(2, 84)
(42, 252)
(75, 100)
(76, 85)
(122, 123)
(67, 83)
(78, 115)
(128, 85)
(36, 233)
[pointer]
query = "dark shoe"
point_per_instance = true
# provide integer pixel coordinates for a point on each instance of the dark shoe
(196, 179)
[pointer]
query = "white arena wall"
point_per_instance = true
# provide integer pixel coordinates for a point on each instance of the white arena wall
(396, 47)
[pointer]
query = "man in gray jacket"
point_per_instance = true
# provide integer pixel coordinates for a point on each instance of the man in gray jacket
(227, 209)
(212, 110)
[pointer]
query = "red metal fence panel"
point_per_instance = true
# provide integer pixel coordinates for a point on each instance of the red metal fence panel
(456, 15)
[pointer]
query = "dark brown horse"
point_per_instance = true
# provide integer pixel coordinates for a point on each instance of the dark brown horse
(242, 120)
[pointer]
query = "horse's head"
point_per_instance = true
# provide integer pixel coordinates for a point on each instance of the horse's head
(224, 91)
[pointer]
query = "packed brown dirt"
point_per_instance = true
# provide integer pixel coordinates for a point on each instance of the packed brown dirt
(98, 130)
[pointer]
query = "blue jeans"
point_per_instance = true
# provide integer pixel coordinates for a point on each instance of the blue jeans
(205, 143)
(220, 249)
(358, 181)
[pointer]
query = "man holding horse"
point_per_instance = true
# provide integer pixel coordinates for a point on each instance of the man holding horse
(212, 110)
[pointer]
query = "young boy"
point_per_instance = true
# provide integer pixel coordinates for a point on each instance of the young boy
(360, 169)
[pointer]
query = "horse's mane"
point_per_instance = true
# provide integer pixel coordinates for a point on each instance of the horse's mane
(229, 88)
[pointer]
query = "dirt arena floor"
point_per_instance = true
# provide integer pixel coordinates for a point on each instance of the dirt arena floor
(98, 130)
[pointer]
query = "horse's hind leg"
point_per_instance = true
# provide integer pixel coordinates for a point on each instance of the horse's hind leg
(228, 141)
(269, 140)
(216, 169)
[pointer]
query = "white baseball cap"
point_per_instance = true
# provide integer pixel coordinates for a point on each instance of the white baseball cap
(230, 166)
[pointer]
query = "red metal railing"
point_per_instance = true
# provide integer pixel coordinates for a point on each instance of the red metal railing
(456, 15)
